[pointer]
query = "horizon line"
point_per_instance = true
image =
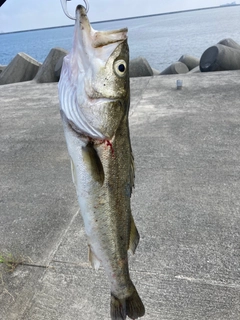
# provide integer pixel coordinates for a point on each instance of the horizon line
(128, 18)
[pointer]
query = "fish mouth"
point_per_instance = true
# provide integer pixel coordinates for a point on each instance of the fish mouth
(81, 17)
(97, 38)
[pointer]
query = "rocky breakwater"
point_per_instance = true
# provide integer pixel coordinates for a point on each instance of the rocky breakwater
(225, 55)
(21, 68)
(221, 57)
(25, 68)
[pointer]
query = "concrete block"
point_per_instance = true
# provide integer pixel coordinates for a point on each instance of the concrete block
(230, 43)
(58, 68)
(2, 67)
(47, 71)
(139, 67)
(21, 68)
(220, 58)
(190, 61)
(195, 70)
(176, 68)
(155, 72)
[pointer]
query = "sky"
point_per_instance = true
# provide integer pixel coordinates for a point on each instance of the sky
(17, 15)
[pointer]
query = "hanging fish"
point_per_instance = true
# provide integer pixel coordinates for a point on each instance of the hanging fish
(94, 99)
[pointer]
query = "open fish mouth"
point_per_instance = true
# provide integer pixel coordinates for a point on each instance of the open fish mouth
(97, 38)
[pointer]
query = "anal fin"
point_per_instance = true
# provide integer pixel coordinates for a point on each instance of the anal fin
(73, 170)
(95, 262)
(134, 237)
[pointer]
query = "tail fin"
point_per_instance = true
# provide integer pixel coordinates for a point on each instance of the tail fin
(118, 308)
(134, 306)
(131, 307)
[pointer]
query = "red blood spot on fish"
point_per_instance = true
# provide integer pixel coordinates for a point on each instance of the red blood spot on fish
(109, 144)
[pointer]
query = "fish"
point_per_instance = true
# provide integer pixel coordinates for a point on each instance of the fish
(94, 95)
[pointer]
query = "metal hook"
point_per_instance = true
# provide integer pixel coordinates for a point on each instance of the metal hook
(64, 6)
(86, 5)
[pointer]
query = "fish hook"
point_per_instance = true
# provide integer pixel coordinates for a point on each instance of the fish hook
(64, 6)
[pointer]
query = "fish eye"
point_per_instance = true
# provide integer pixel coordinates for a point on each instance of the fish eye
(120, 68)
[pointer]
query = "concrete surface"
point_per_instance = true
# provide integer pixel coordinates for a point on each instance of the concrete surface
(186, 203)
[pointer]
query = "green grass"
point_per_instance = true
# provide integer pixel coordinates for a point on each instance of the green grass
(11, 261)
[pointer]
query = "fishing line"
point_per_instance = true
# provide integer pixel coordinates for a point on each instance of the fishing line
(65, 10)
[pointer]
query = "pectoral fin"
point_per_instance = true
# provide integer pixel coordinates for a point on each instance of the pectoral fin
(93, 163)
(134, 237)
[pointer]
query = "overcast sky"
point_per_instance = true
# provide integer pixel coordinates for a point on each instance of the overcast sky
(32, 14)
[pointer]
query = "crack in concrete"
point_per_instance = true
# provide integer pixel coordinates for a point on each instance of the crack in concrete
(208, 282)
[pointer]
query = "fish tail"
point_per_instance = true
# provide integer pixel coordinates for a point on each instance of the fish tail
(118, 308)
(131, 307)
(134, 306)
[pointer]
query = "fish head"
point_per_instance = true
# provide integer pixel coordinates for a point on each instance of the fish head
(94, 85)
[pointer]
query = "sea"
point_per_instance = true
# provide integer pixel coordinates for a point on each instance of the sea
(161, 39)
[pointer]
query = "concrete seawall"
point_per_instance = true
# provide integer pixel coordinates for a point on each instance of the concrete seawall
(224, 56)
(186, 203)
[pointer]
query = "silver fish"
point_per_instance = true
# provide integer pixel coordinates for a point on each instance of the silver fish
(94, 99)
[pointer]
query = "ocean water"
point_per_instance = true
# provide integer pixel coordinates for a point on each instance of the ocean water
(160, 39)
